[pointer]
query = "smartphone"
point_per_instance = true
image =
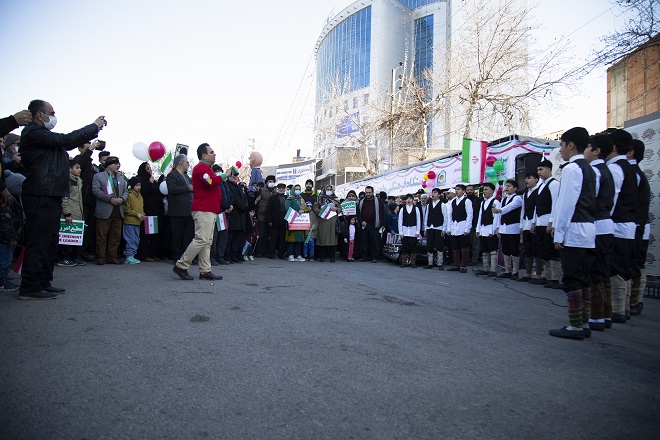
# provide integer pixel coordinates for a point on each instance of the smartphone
(101, 145)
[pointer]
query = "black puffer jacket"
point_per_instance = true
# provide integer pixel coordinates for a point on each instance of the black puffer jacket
(43, 153)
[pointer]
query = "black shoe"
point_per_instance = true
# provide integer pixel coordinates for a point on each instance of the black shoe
(441, 267)
(587, 332)
(608, 323)
(627, 315)
(504, 275)
(281, 257)
(209, 276)
(428, 266)
(524, 279)
(332, 260)
(514, 277)
(214, 262)
(569, 334)
(374, 261)
(321, 260)
(88, 258)
(463, 269)
(65, 263)
(637, 310)
(551, 284)
(537, 281)
(414, 266)
(597, 326)
(182, 273)
(453, 269)
(619, 319)
(480, 272)
(491, 274)
(223, 261)
(37, 295)
(53, 289)
(80, 262)
(558, 286)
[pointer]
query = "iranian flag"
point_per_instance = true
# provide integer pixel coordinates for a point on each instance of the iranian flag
(166, 165)
(151, 224)
(290, 215)
(221, 222)
(326, 213)
(473, 161)
(19, 263)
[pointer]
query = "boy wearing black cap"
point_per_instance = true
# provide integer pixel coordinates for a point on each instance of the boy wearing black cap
(575, 231)
(547, 194)
(623, 215)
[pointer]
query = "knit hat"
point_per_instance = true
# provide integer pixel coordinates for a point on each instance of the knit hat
(134, 181)
(270, 178)
(11, 138)
(111, 160)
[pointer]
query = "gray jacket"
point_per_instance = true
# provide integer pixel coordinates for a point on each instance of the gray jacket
(99, 189)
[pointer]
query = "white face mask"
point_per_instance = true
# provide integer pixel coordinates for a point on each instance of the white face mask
(328, 193)
(218, 173)
(52, 121)
(271, 184)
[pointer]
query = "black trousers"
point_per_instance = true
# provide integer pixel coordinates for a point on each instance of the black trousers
(510, 244)
(264, 239)
(602, 261)
(489, 244)
(370, 242)
(237, 241)
(530, 244)
(149, 243)
(460, 242)
(546, 244)
(182, 231)
(42, 227)
(277, 241)
(434, 240)
(89, 239)
(640, 248)
(576, 262)
(622, 252)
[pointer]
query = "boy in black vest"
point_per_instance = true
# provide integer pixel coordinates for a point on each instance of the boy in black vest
(623, 215)
(599, 147)
(487, 225)
(643, 231)
(434, 223)
(575, 232)
(527, 228)
(460, 223)
(509, 230)
(547, 193)
(410, 224)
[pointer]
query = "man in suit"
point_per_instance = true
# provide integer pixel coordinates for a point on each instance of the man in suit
(111, 192)
(179, 201)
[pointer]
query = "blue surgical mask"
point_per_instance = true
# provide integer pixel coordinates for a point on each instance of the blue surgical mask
(296, 192)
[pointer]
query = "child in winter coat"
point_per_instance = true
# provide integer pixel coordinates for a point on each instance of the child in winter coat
(351, 238)
(72, 209)
(133, 217)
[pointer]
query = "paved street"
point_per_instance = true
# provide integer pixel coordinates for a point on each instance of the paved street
(281, 350)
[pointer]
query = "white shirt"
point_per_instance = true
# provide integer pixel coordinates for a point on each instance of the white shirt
(621, 230)
(568, 233)
(508, 206)
(409, 231)
(487, 230)
(526, 225)
(463, 227)
(433, 204)
(553, 187)
(605, 226)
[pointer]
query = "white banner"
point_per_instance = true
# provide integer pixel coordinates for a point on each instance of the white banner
(296, 174)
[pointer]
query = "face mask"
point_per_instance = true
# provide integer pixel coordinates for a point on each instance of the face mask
(297, 192)
(218, 173)
(328, 193)
(271, 184)
(286, 192)
(52, 121)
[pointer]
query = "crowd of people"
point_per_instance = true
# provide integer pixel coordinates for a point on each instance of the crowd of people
(564, 233)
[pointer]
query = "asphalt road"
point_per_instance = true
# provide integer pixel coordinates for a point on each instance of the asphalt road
(281, 350)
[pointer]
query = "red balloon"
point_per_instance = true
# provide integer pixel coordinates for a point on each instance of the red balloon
(424, 183)
(238, 164)
(490, 160)
(431, 174)
(156, 151)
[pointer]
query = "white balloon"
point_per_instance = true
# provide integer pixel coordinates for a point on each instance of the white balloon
(163, 188)
(141, 151)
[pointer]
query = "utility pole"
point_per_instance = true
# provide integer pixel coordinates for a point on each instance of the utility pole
(394, 91)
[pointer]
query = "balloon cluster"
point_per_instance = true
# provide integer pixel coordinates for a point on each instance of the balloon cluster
(429, 180)
(155, 151)
(494, 167)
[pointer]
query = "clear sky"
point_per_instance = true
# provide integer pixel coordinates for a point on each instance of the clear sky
(221, 72)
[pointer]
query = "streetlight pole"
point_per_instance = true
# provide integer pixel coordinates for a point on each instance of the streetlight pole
(394, 81)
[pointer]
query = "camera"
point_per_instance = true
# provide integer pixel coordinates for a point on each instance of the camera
(101, 145)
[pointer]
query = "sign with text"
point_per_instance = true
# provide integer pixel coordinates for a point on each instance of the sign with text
(349, 208)
(72, 234)
(300, 223)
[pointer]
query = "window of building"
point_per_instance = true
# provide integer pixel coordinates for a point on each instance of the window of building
(414, 4)
(355, 102)
(423, 49)
(365, 100)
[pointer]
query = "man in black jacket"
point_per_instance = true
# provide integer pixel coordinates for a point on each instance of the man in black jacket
(275, 219)
(370, 216)
(46, 162)
(179, 201)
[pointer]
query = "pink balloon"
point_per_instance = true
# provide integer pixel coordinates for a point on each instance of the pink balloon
(156, 151)
(431, 175)
(238, 164)
(424, 183)
(430, 184)
(490, 160)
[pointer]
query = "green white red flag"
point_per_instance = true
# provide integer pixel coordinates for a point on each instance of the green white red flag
(326, 212)
(290, 215)
(473, 161)
(221, 222)
(166, 165)
(151, 224)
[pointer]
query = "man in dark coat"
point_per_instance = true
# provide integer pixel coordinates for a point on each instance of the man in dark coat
(236, 217)
(179, 200)
(275, 219)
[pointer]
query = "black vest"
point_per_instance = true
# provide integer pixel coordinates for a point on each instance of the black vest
(487, 213)
(510, 217)
(530, 203)
(643, 198)
(585, 209)
(605, 197)
(409, 219)
(624, 211)
(544, 199)
(435, 216)
(458, 212)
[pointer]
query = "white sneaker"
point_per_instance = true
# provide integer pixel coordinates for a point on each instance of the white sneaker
(291, 258)
(300, 258)
(251, 258)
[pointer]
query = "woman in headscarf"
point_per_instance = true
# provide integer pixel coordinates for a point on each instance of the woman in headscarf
(295, 239)
(351, 196)
(326, 237)
(153, 206)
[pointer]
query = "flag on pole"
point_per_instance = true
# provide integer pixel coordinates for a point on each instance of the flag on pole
(221, 222)
(19, 262)
(326, 213)
(473, 161)
(151, 224)
(290, 215)
(166, 165)
(247, 249)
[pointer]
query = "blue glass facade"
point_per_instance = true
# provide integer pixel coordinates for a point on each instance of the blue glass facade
(423, 47)
(414, 4)
(344, 56)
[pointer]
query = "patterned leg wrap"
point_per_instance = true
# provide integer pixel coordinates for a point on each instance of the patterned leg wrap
(586, 304)
(575, 307)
